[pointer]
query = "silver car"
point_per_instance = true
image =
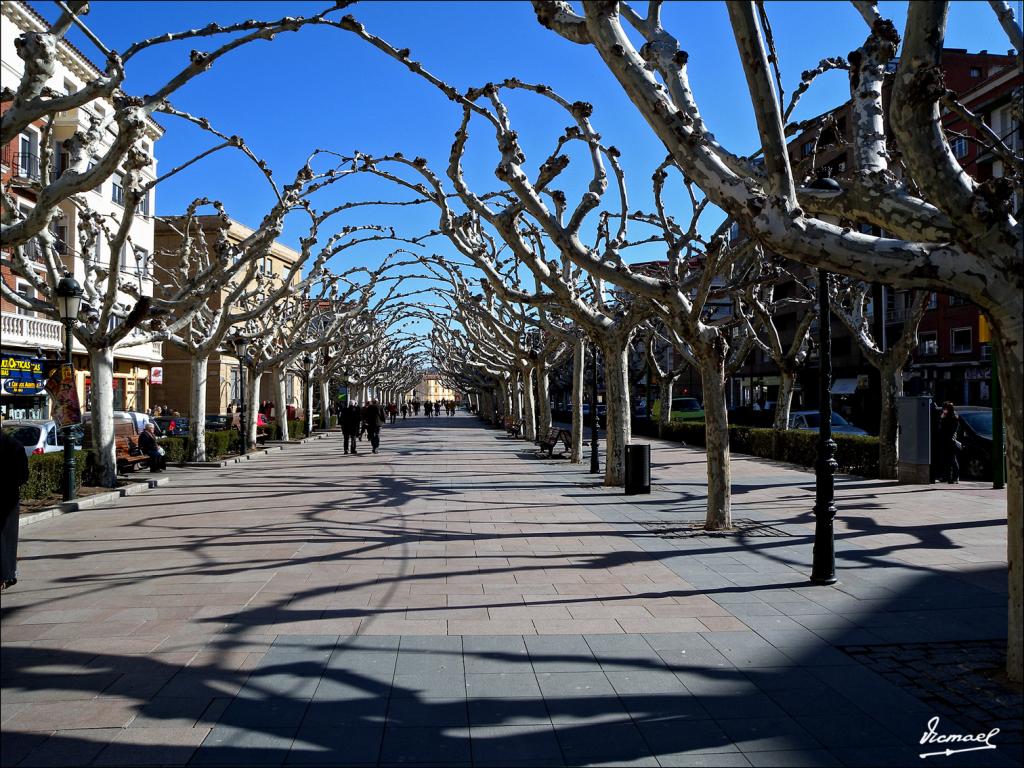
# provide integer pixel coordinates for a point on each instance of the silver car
(809, 420)
(40, 436)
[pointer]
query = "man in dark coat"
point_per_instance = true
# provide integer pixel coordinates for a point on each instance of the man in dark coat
(15, 463)
(149, 446)
(350, 421)
(373, 420)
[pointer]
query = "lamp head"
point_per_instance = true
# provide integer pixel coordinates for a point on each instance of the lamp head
(69, 298)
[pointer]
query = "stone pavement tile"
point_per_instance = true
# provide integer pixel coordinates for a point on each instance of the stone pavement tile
(322, 745)
(762, 734)
(14, 745)
(655, 625)
(101, 712)
(500, 653)
(850, 730)
(705, 760)
(806, 758)
(356, 711)
(152, 746)
(577, 627)
(234, 745)
(427, 711)
(608, 611)
(610, 743)
(588, 709)
(70, 747)
(375, 626)
(426, 745)
(502, 685)
(428, 684)
(179, 713)
(674, 737)
(559, 685)
(663, 707)
(644, 681)
(515, 744)
(261, 713)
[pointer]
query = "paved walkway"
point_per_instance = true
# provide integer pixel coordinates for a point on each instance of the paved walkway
(457, 600)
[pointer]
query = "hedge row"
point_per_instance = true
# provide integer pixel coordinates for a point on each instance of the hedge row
(46, 474)
(856, 454)
(296, 430)
(218, 443)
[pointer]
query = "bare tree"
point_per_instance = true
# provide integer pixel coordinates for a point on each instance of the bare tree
(945, 231)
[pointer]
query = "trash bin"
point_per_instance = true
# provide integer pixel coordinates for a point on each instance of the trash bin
(638, 469)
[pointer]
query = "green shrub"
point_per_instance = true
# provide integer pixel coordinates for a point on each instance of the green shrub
(46, 474)
(175, 449)
(855, 454)
(222, 442)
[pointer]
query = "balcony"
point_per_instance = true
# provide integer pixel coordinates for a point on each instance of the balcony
(25, 331)
(893, 316)
(24, 165)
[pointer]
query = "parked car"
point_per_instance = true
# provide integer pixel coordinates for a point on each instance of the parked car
(172, 426)
(221, 421)
(602, 414)
(41, 435)
(687, 409)
(975, 434)
(809, 421)
(138, 419)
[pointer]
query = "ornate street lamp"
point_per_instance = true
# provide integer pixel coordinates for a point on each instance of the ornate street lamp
(69, 301)
(241, 345)
(595, 466)
(823, 567)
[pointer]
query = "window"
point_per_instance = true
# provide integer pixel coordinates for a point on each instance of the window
(927, 343)
(236, 392)
(933, 301)
(267, 266)
(977, 72)
(807, 149)
(26, 291)
(60, 234)
(289, 385)
(961, 341)
(28, 155)
(142, 258)
(959, 147)
(144, 204)
(124, 258)
(986, 351)
(117, 191)
(957, 301)
(97, 251)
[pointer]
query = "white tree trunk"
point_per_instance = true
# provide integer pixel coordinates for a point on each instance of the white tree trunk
(576, 454)
(101, 368)
(543, 397)
(785, 400)
(529, 407)
(619, 418)
(517, 403)
(197, 425)
(325, 402)
(281, 403)
(665, 387)
(716, 425)
(252, 397)
(891, 383)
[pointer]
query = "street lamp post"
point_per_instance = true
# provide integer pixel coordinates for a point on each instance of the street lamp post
(595, 467)
(307, 407)
(823, 568)
(69, 301)
(241, 346)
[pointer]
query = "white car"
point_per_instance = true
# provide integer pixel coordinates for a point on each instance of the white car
(40, 436)
(139, 419)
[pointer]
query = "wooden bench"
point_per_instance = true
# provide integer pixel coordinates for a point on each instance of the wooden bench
(128, 455)
(513, 426)
(552, 437)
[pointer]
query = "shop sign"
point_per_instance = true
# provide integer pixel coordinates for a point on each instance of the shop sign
(156, 375)
(64, 406)
(21, 375)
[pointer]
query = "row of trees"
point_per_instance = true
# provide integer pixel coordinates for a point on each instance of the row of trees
(559, 268)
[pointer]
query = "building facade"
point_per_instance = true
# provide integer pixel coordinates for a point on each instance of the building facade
(30, 338)
(223, 390)
(431, 390)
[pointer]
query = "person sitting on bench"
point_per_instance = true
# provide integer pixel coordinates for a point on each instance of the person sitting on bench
(149, 446)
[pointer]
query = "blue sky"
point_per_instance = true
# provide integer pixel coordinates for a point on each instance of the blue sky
(325, 88)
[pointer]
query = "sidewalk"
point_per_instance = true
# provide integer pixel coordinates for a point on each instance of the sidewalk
(457, 600)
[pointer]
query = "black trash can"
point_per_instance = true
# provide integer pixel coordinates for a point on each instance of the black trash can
(638, 469)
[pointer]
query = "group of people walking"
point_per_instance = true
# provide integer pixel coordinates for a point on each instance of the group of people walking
(357, 422)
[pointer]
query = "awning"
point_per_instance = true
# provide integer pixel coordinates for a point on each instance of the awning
(844, 386)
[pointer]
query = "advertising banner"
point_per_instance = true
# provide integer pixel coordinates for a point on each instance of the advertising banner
(65, 408)
(21, 375)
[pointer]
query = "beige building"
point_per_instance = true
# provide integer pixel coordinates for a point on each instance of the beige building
(431, 390)
(222, 384)
(28, 335)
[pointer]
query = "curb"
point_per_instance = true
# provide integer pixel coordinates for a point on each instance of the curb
(95, 500)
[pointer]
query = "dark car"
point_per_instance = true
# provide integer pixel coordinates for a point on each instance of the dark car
(172, 426)
(975, 435)
(220, 422)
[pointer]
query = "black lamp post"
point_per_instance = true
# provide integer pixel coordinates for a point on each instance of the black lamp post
(823, 568)
(241, 345)
(595, 467)
(307, 399)
(69, 301)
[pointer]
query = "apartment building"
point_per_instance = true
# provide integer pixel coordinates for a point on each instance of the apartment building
(950, 362)
(223, 373)
(431, 390)
(31, 341)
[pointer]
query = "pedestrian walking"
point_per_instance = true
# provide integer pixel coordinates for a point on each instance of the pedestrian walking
(12, 456)
(949, 446)
(405, 411)
(149, 446)
(392, 412)
(351, 419)
(373, 419)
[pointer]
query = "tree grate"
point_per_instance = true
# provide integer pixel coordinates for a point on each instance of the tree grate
(688, 529)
